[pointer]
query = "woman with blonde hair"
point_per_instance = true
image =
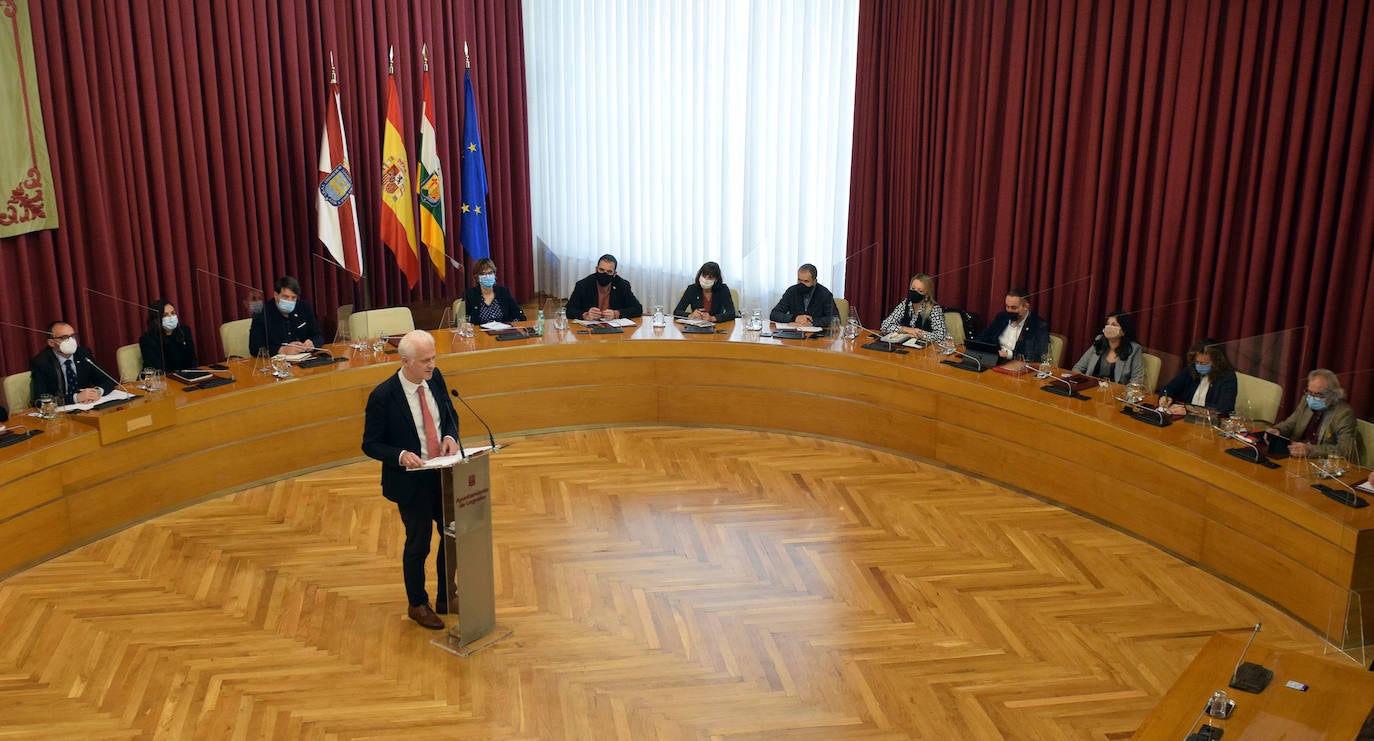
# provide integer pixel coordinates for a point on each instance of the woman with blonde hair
(918, 315)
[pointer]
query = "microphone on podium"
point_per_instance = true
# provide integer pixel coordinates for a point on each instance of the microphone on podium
(490, 437)
(118, 384)
(1345, 495)
(1143, 412)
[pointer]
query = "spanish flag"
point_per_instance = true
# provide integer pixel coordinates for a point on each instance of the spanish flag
(398, 210)
(431, 182)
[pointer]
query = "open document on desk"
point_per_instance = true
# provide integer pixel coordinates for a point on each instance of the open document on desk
(115, 395)
(605, 322)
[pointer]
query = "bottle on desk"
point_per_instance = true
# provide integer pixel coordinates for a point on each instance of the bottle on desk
(539, 324)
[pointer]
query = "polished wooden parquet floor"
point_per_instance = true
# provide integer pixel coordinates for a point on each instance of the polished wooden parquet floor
(662, 583)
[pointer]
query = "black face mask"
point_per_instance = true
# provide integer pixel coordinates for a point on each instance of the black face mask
(604, 279)
(915, 297)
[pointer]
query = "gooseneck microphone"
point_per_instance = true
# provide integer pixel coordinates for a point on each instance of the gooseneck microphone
(974, 358)
(490, 438)
(119, 385)
(1248, 676)
(1135, 409)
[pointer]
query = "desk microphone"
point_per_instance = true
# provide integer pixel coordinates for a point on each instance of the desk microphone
(1248, 676)
(974, 358)
(117, 383)
(1349, 497)
(1250, 452)
(1160, 419)
(490, 438)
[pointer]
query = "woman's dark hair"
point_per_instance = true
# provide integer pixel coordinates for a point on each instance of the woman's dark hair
(155, 310)
(1127, 335)
(1221, 365)
(709, 270)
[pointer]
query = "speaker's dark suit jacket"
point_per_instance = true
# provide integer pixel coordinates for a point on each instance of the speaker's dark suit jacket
(389, 429)
(46, 377)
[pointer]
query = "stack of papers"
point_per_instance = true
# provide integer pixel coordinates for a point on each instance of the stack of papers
(607, 322)
(696, 322)
(294, 357)
(796, 327)
(492, 326)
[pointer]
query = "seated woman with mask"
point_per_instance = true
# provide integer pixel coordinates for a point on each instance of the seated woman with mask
(488, 302)
(1114, 355)
(1207, 380)
(918, 315)
(707, 298)
(167, 344)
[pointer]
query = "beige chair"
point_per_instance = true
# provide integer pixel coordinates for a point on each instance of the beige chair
(17, 393)
(129, 361)
(1366, 443)
(1056, 350)
(460, 311)
(1152, 364)
(1257, 398)
(341, 322)
(234, 337)
(734, 297)
(842, 310)
(954, 325)
(374, 322)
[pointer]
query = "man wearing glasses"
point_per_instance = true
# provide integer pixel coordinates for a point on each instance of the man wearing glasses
(66, 370)
(604, 295)
(1323, 423)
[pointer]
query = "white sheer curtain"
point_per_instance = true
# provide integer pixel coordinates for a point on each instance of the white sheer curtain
(673, 133)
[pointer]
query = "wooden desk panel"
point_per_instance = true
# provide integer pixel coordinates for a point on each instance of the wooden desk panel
(1173, 486)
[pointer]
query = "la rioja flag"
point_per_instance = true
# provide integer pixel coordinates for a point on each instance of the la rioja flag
(336, 211)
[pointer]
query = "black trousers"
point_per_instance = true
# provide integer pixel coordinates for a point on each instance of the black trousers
(420, 519)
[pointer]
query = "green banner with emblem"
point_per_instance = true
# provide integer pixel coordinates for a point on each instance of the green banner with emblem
(27, 201)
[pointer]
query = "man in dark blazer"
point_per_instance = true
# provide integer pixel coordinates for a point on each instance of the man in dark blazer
(409, 420)
(604, 295)
(286, 324)
(1018, 330)
(66, 370)
(807, 303)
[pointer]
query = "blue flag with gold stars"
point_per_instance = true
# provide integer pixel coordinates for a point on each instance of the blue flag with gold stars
(472, 215)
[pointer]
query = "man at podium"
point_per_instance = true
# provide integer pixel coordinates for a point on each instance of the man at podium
(409, 420)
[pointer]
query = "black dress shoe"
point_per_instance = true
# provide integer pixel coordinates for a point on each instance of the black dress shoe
(425, 617)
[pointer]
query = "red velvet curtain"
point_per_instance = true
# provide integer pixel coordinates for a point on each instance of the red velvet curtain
(1206, 165)
(185, 135)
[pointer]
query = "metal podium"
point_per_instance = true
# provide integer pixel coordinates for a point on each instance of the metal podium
(468, 555)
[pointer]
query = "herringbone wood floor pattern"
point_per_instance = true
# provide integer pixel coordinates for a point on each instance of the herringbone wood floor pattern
(662, 583)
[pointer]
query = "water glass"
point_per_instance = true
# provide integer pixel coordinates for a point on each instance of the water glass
(1135, 393)
(47, 406)
(755, 320)
(946, 345)
(1046, 368)
(659, 319)
(1334, 466)
(465, 329)
(560, 320)
(145, 377)
(851, 329)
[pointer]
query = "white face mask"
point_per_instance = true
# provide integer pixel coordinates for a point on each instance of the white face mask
(169, 323)
(706, 283)
(67, 346)
(1111, 331)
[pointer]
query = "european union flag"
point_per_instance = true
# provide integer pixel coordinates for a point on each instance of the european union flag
(472, 216)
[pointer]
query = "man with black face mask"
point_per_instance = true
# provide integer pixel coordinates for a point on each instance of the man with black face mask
(807, 303)
(604, 295)
(65, 369)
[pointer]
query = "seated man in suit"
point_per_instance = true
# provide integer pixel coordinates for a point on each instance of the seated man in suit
(1324, 423)
(410, 419)
(286, 324)
(1018, 330)
(66, 370)
(604, 295)
(806, 303)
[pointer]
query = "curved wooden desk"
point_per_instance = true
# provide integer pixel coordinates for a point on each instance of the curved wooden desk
(1263, 529)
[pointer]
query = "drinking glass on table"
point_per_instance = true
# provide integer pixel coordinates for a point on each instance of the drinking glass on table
(47, 406)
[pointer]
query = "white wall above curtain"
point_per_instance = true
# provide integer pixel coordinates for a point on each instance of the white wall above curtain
(672, 133)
